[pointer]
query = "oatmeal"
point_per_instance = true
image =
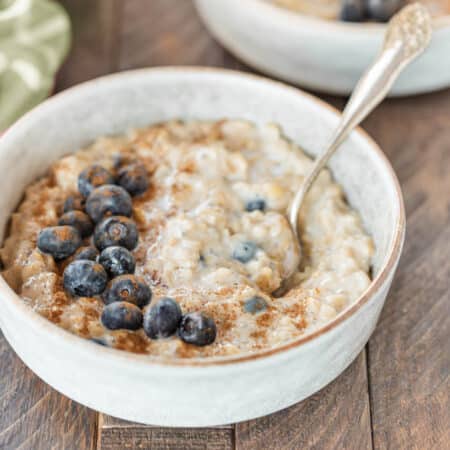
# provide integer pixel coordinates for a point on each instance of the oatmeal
(359, 10)
(208, 242)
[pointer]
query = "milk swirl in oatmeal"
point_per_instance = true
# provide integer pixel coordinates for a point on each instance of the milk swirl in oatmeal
(213, 235)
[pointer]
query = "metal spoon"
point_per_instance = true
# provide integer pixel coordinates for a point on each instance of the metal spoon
(407, 36)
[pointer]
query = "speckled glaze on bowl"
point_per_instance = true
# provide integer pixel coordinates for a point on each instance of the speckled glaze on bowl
(211, 391)
(324, 55)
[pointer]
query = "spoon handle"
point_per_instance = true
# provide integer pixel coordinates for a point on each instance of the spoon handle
(368, 93)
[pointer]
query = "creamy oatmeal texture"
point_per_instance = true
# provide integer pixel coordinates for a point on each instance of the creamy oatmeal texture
(192, 221)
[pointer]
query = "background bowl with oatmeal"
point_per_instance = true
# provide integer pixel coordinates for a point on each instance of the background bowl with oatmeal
(304, 42)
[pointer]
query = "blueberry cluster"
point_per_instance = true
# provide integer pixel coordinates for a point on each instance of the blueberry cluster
(100, 217)
(361, 10)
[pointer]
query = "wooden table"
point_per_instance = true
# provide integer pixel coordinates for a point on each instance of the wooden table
(395, 395)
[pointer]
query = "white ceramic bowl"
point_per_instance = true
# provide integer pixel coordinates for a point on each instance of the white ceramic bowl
(209, 391)
(323, 55)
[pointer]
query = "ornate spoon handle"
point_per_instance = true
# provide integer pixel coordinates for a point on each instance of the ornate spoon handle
(408, 34)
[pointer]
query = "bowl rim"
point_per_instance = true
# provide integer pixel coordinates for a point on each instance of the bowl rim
(36, 321)
(286, 17)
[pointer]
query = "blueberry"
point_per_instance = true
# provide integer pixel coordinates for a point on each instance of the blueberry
(60, 242)
(258, 204)
(74, 202)
(245, 251)
(92, 177)
(382, 10)
(255, 305)
(117, 261)
(133, 178)
(108, 200)
(78, 219)
(116, 231)
(128, 288)
(162, 320)
(87, 252)
(197, 328)
(352, 11)
(84, 278)
(122, 315)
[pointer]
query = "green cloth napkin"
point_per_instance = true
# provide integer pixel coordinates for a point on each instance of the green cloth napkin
(34, 40)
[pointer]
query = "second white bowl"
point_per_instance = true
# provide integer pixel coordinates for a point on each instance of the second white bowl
(323, 55)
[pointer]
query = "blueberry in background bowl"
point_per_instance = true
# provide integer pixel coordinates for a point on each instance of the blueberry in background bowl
(320, 54)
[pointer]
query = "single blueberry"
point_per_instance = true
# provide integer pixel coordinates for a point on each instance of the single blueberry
(60, 242)
(78, 219)
(352, 11)
(116, 231)
(255, 305)
(87, 252)
(128, 288)
(84, 278)
(74, 202)
(92, 177)
(121, 315)
(382, 10)
(108, 200)
(197, 328)
(245, 251)
(117, 261)
(162, 320)
(258, 204)
(134, 178)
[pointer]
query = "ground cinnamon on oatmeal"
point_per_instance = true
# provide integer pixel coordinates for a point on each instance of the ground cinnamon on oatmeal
(213, 236)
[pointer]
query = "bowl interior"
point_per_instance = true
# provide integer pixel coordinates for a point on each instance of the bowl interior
(113, 104)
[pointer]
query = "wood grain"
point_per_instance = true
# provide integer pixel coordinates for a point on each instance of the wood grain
(95, 30)
(34, 416)
(409, 354)
(116, 434)
(337, 417)
(167, 32)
